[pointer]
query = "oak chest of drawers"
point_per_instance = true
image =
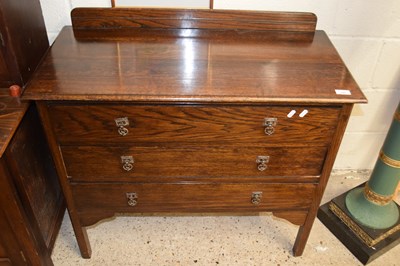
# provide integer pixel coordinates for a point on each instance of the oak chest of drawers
(193, 111)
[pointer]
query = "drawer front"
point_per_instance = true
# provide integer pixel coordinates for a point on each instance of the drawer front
(94, 124)
(91, 198)
(141, 164)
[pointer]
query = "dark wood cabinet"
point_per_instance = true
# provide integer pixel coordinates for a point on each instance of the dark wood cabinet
(159, 110)
(31, 202)
(23, 40)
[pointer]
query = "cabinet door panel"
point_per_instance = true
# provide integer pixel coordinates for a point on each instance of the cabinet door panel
(29, 159)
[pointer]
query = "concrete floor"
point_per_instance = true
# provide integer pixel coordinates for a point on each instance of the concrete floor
(206, 239)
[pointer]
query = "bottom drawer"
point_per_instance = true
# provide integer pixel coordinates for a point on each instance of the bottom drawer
(97, 201)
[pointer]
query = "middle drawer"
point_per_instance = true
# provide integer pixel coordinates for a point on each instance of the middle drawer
(101, 163)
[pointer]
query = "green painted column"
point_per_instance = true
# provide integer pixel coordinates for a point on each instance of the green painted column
(373, 205)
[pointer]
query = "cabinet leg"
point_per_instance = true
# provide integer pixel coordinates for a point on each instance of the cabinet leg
(303, 234)
(301, 240)
(304, 231)
(82, 239)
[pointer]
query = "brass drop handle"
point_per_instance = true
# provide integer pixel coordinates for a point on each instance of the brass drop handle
(127, 163)
(256, 198)
(262, 163)
(122, 123)
(269, 125)
(132, 198)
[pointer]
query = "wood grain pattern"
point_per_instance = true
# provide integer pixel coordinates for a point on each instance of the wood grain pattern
(116, 18)
(295, 217)
(12, 111)
(9, 254)
(195, 87)
(23, 244)
(24, 40)
(164, 69)
(101, 164)
(5, 74)
(90, 202)
(34, 174)
(304, 231)
(31, 205)
(221, 125)
(80, 231)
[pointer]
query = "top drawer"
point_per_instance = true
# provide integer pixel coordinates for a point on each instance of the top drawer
(266, 125)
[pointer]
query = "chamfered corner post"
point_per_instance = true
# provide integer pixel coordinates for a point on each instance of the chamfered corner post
(305, 230)
(79, 230)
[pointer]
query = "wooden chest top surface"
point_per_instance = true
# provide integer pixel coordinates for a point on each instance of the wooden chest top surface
(184, 69)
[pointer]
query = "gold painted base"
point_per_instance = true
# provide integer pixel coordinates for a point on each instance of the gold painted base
(363, 252)
(365, 243)
(358, 229)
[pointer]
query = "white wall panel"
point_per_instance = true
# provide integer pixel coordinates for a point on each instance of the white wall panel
(91, 3)
(56, 15)
(164, 3)
(359, 150)
(368, 18)
(377, 115)
(387, 70)
(360, 56)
